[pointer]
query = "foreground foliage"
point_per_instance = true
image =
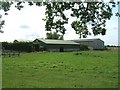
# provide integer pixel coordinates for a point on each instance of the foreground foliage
(94, 14)
(85, 69)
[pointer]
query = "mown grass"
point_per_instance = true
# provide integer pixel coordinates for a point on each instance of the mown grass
(85, 69)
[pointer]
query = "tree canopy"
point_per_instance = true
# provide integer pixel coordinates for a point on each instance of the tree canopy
(85, 13)
(54, 35)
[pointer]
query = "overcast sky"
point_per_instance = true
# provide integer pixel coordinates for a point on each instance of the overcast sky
(28, 24)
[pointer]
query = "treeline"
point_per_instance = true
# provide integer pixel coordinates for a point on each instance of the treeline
(18, 46)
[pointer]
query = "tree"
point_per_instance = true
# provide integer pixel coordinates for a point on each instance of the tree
(95, 13)
(88, 13)
(55, 18)
(4, 6)
(2, 22)
(54, 35)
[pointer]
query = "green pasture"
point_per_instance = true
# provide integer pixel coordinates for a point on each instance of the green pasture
(83, 69)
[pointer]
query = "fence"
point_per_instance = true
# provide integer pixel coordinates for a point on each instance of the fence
(10, 53)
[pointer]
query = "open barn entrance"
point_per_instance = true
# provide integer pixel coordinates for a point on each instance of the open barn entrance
(36, 47)
(61, 49)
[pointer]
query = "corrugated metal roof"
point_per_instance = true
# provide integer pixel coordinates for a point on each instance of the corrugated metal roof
(23, 40)
(50, 41)
(87, 40)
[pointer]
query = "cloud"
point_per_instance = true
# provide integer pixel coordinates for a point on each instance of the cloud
(32, 36)
(24, 26)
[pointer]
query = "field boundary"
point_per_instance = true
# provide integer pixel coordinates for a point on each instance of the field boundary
(7, 53)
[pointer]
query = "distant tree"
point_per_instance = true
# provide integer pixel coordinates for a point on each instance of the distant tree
(15, 41)
(54, 35)
(49, 35)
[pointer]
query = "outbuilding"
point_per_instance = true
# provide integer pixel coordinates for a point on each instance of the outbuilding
(55, 45)
(95, 44)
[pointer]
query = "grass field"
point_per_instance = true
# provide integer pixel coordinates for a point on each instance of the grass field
(85, 69)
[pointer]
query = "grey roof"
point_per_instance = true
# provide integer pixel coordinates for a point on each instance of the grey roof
(51, 41)
(87, 40)
(23, 40)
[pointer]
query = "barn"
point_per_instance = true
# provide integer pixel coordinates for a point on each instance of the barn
(55, 45)
(95, 44)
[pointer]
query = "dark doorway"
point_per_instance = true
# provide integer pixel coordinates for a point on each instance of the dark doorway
(61, 49)
(37, 47)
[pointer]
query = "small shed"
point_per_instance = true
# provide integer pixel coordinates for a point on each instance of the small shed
(96, 44)
(55, 45)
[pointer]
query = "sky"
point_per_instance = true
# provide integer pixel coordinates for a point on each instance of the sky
(28, 24)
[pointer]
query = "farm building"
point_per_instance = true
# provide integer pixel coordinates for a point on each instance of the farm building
(55, 45)
(22, 40)
(96, 44)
